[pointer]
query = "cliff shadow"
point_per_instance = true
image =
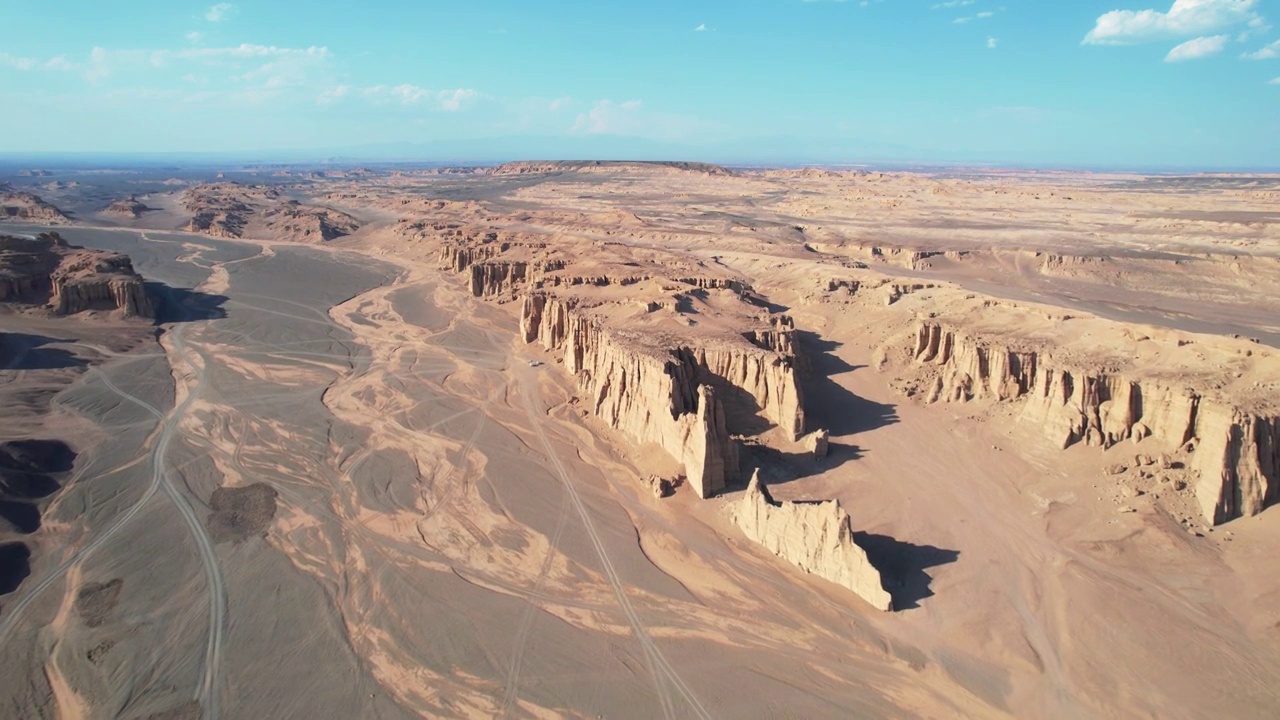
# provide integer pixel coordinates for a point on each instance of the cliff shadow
(780, 466)
(902, 565)
(742, 414)
(24, 351)
(21, 516)
(36, 456)
(827, 404)
(178, 304)
(15, 566)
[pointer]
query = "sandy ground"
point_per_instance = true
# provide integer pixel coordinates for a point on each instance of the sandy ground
(336, 487)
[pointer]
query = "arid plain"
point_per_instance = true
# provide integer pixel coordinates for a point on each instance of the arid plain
(563, 440)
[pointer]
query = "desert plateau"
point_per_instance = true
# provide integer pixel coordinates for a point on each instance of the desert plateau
(639, 440)
(875, 360)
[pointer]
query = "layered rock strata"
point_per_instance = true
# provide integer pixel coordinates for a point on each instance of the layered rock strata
(25, 207)
(1236, 450)
(816, 537)
(650, 394)
(130, 208)
(68, 279)
(232, 210)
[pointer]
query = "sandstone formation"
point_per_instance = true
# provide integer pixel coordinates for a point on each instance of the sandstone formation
(818, 443)
(643, 371)
(588, 166)
(816, 537)
(1237, 453)
(26, 207)
(232, 210)
(649, 393)
(129, 208)
(68, 279)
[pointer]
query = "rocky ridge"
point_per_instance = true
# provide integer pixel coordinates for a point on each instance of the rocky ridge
(130, 208)
(231, 210)
(1234, 443)
(662, 385)
(26, 207)
(588, 166)
(68, 279)
(649, 393)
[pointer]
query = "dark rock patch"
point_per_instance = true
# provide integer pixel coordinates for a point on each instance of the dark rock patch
(95, 601)
(97, 652)
(242, 512)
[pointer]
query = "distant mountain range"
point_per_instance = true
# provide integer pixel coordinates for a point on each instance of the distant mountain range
(767, 151)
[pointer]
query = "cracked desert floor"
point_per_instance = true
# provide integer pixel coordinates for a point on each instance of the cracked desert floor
(477, 442)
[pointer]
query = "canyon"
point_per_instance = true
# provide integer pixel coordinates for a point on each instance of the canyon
(642, 439)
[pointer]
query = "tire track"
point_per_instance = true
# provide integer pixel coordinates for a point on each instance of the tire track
(526, 618)
(207, 696)
(157, 452)
(659, 669)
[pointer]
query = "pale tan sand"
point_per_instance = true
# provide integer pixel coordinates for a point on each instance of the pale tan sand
(458, 531)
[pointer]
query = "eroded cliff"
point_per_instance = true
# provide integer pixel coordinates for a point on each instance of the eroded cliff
(816, 537)
(26, 207)
(68, 279)
(232, 210)
(1233, 442)
(650, 394)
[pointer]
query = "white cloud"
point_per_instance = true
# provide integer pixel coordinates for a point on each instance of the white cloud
(194, 36)
(952, 4)
(979, 16)
(991, 43)
(701, 28)
(455, 100)
(98, 65)
(406, 94)
(1276, 81)
(56, 63)
(1198, 48)
(333, 94)
(17, 63)
(608, 118)
(59, 63)
(219, 12)
(1185, 18)
(245, 51)
(266, 67)
(1270, 52)
(633, 119)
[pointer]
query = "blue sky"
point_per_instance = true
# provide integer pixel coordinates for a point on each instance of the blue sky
(1139, 83)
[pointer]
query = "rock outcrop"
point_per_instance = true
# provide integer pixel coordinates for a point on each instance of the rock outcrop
(649, 393)
(306, 223)
(1237, 450)
(129, 208)
(816, 537)
(232, 210)
(25, 207)
(68, 279)
(527, 167)
(818, 443)
(768, 377)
